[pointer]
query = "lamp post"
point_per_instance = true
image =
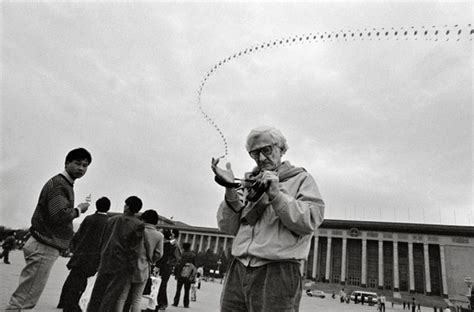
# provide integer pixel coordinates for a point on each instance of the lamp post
(468, 282)
(219, 262)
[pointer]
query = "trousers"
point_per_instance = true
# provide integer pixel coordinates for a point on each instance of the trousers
(162, 293)
(74, 286)
(107, 290)
(131, 296)
(179, 285)
(5, 255)
(39, 260)
(276, 286)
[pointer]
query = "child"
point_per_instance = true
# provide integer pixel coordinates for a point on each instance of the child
(196, 284)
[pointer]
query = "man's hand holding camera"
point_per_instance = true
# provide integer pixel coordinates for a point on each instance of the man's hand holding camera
(270, 183)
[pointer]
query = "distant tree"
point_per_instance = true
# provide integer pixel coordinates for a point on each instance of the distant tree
(208, 261)
(200, 259)
(4, 231)
(225, 261)
(20, 234)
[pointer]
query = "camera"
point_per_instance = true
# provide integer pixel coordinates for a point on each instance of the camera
(255, 187)
(252, 184)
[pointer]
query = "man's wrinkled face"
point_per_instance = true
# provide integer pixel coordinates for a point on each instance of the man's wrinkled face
(265, 152)
(77, 168)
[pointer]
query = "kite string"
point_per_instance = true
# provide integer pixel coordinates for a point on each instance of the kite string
(428, 33)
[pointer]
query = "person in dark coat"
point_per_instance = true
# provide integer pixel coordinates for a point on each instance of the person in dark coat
(171, 256)
(119, 254)
(8, 245)
(188, 256)
(85, 247)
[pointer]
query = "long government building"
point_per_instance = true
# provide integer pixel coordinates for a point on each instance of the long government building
(416, 258)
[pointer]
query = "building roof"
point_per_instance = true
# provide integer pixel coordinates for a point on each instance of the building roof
(375, 226)
(417, 228)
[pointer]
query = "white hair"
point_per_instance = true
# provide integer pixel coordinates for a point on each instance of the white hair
(274, 133)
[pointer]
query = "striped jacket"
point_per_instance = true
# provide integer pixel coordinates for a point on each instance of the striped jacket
(51, 223)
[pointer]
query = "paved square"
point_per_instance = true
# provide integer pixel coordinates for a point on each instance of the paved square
(207, 297)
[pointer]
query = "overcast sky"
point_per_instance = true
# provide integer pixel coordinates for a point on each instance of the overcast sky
(384, 126)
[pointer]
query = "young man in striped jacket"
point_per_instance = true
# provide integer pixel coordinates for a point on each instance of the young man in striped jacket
(51, 230)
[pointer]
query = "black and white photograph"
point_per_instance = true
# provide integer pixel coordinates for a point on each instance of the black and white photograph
(236, 156)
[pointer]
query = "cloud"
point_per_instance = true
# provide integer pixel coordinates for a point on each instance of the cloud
(385, 126)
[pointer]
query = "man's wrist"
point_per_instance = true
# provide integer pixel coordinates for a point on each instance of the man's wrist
(272, 196)
(232, 201)
(231, 194)
(276, 198)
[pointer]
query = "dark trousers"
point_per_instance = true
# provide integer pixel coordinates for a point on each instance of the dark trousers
(162, 292)
(5, 255)
(179, 286)
(276, 286)
(74, 286)
(107, 289)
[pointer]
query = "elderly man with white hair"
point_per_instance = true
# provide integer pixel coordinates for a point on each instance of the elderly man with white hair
(273, 215)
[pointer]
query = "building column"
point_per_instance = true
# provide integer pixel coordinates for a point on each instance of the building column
(328, 261)
(364, 263)
(193, 243)
(427, 269)
(381, 280)
(443, 271)
(178, 239)
(396, 283)
(315, 256)
(411, 269)
(225, 246)
(343, 261)
(186, 238)
(216, 248)
(201, 241)
(209, 238)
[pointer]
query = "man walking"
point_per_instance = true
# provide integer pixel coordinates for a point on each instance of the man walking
(8, 245)
(51, 230)
(382, 303)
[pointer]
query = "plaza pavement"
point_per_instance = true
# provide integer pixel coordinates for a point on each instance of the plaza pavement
(207, 296)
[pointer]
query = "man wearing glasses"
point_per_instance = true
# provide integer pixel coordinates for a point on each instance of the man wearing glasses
(273, 214)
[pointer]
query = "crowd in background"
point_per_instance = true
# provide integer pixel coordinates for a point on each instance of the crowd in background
(120, 251)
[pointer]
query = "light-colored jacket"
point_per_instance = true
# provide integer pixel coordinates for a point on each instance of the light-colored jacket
(151, 250)
(285, 228)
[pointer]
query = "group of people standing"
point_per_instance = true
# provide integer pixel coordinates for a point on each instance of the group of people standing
(272, 214)
(411, 306)
(120, 250)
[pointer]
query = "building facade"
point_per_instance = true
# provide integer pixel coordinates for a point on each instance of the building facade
(416, 258)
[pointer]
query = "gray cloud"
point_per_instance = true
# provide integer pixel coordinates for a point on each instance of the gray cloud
(384, 126)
